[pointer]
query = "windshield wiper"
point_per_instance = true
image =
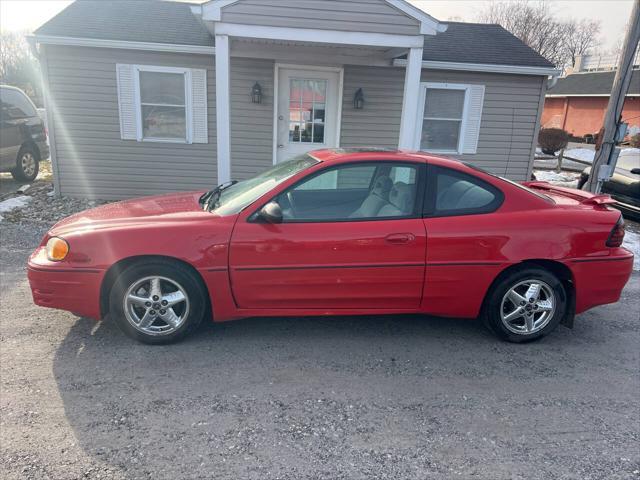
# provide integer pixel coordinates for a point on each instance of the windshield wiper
(208, 199)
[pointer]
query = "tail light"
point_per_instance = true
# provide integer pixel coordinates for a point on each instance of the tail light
(617, 234)
(46, 133)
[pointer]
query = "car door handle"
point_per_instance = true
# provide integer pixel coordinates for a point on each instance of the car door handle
(400, 238)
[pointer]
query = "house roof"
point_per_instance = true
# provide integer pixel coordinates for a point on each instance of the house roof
(129, 20)
(481, 43)
(592, 83)
(171, 22)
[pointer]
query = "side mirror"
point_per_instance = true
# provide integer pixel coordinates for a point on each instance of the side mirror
(635, 171)
(271, 213)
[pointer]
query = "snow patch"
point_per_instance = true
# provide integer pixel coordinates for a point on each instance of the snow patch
(632, 242)
(563, 179)
(13, 203)
(584, 154)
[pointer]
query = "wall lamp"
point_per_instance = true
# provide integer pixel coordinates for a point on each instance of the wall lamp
(256, 93)
(358, 99)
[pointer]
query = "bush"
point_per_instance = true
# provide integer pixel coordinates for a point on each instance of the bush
(552, 139)
(635, 141)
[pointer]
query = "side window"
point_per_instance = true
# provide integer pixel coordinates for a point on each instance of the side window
(15, 104)
(352, 192)
(451, 192)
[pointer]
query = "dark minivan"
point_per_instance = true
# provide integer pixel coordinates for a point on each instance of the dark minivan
(23, 136)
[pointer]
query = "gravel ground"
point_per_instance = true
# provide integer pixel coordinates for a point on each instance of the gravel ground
(340, 398)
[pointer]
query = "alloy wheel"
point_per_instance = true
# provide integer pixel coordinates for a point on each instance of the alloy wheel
(528, 307)
(156, 305)
(28, 164)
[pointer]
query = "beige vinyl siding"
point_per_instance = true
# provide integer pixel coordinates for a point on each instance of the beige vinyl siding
(510, 119)
(91, 159)
(251, 123)
(378, 123)
(371, 16)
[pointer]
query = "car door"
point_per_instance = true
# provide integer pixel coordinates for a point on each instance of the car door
(341, 244)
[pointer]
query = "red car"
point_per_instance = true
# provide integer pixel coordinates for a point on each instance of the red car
(340, 232)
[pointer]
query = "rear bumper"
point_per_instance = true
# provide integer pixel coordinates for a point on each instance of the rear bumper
(67, 288)
(44, 150)
(599, 281)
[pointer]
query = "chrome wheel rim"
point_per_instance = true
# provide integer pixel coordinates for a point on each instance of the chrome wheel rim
(28, 164)
(528, 307)
(156, 305)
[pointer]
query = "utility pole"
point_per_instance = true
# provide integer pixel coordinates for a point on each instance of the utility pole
(616, 101)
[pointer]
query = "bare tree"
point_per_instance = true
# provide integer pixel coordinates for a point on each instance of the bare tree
(535, 24)
(18, 66)
(580, 38)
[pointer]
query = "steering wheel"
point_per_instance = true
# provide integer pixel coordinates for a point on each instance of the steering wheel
(292, 203)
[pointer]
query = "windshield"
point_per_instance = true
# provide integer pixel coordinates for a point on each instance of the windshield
(236, 197)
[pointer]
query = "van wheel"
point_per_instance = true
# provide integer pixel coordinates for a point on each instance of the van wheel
(27, 165)
(157, 302)
(525, 305)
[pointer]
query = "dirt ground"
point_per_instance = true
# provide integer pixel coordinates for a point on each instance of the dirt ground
(333, 398)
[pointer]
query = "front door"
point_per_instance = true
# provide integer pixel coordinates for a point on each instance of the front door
(307, 110)
(351, 238)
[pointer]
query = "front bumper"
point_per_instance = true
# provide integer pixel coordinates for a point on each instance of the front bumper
(55, 285)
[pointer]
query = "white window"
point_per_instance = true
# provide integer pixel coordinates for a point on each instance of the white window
(449, 120)
(162, 104)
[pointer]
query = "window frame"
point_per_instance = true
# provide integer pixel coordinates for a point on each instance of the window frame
(424, 86)
(431, 192)
(418, 205)
(188, 103)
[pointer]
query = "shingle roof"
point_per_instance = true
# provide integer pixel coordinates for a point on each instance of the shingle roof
(130, 20)
(481, 43)
(592, 83)
(173, 22)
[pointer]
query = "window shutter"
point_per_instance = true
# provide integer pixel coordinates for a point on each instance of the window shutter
(127, 102)
(199, 105)
(473, 117)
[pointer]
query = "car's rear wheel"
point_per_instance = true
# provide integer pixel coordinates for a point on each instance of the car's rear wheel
(157, 302)
(525, 305)
(27, 165)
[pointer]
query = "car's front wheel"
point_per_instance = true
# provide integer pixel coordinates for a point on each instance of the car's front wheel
(158, 302)
(27, 165)
(525, 305)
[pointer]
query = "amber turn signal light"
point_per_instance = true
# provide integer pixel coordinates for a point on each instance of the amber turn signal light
(57, 249)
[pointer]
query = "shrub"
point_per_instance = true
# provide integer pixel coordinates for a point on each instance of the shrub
(635, 141)
(552, 139)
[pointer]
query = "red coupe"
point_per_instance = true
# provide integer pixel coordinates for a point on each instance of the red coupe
(340, 232)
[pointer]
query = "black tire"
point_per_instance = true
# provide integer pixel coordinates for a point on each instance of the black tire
(24, 171)
(174, 272)
(493, 308)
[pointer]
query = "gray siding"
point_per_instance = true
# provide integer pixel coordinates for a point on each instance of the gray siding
(510, 116)
(372, 16)
(251, 123)
(91, 159)
(378, 123)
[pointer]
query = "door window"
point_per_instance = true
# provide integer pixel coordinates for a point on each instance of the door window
(15, 104)
(307, 110)
(451, 192)
(352, 192)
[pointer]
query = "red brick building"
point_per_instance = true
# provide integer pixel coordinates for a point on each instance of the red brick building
(577, 103)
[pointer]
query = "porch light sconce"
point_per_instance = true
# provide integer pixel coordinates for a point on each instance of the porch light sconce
(358, 99)
(256, 93)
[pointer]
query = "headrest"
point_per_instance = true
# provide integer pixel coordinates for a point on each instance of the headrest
(401, 196)
(382, 186)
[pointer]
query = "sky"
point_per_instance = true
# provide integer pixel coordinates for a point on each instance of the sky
(27, 15)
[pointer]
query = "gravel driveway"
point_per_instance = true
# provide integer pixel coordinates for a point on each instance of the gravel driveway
(354, 398)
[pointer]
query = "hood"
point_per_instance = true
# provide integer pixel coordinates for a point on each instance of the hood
(172, 207)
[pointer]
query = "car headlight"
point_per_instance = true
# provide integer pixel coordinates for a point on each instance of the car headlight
(57, 249)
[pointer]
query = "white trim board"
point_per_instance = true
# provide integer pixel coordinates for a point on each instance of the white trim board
(600, 95)
(483, 67)
(123, 44)
(314, 35)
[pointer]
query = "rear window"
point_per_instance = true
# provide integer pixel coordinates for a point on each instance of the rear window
(515, 184)
(16, 104)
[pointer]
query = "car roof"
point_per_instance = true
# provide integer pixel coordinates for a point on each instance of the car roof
(340, 155)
